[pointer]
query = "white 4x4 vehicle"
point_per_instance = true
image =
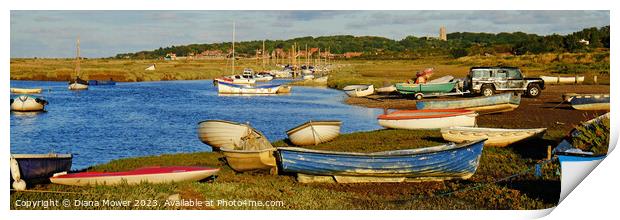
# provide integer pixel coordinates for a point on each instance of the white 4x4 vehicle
(490, 80)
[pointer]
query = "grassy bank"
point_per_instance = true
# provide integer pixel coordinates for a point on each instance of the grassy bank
(479, 192)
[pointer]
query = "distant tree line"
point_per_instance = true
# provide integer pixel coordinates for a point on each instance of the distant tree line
(459, 44)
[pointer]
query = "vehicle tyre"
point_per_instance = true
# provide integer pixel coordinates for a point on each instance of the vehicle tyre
(533, 90)
(419, 96)
(487, 90)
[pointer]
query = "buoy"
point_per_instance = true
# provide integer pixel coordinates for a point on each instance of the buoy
(19, 185)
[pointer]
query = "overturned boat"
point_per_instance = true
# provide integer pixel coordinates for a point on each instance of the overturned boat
(496, 137)
(37, 167)
(27, 103)
(314, 132)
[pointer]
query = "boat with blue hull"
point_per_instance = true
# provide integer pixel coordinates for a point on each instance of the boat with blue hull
(482, 105)
(37, 167)
(101, 82)
(443, 162)
(590, 102)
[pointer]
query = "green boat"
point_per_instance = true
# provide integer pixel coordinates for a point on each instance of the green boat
(409, 88)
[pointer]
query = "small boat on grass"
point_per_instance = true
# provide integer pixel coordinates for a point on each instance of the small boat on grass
(563, 79)
(314, 132)
(484, 105)
(37, 167)
(428, 119)
(590, 102)
(359, 90)
(248, 160)
(26, 91)
(496, 137)
(230, 88)
(102, 82)
(151, 175)
(322, 79)
(411, 89)
(27, 103)
(443, 162)
(232, 135)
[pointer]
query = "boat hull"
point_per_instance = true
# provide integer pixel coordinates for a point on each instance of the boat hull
(25, 91)
(26, 103)
(436, 120)
(495, 137)
(591, 102)
(152, 175)
(573, 169)
(387, 89)
(285, 89)
(101, 82)
(359, 90)
(37, 167)
(226, 134)
(77, 86)
(248, 160)
(483, 105)
(314, 132)
(562, 79)
(434, 163)
(229, 88)
(408, 88)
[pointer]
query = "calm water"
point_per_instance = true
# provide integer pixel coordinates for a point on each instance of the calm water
(150, 118)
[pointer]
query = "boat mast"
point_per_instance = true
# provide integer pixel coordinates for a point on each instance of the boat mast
(77, 58)
(263, 54)
(233, 51)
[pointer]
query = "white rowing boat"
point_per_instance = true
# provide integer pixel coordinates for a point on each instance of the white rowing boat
(496, 137)
(428, 119)
(314, 132)
(230, 88)
(226, 134)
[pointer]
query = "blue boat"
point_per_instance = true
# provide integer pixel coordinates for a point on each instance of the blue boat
(101, 82)
(37, 167)
(484, 105)
(591, 102)
(449, 161)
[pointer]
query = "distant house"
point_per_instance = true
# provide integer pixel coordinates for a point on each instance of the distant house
(584, 41)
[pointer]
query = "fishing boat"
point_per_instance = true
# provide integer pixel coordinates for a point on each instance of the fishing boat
(428, 119)
(230, 88)
(27, 103)
(262, 77)
(590, 102)
(26, 91)
(562, 79)
(78, 84)
(386, 89)
(411, 88)
(314, 132)
(235, 79)
(37, 167)
(221, 134)
(484, 105)
(359, 90)
(152, 175)
(102, 82)
(248, 160)
(496, 137)
(285, 89)
(443, 162)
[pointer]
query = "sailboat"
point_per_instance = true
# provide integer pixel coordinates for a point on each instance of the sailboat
(78, 84)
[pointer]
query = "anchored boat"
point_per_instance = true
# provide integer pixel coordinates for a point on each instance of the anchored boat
(25, 91)
(485, 105)
(590, 102)
(227, 134)
(428, 119)
(314, 132)
(359, 90)
(137, 176)
(37, 167)
(230, 88)
(496, 137)
(102, 82)
(448, 161)
(27, 103)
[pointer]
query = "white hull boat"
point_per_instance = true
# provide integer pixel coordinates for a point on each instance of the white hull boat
(231, 135)
(496, 137)
(229, 88)
(359, 90)
(26, 103)
(77, 86)
(428, 119)
(26, 91)
(314, 132)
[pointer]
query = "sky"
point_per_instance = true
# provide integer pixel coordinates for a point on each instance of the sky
(52, 34)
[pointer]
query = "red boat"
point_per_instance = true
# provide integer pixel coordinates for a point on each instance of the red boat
(137, 176)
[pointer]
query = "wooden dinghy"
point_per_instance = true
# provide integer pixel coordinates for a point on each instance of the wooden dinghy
(484, 105)
(248, 160)
(27, 103)
(449, 161)
(591, 102)
(26, 91)
(227, 134)
(496, 137)
(563, 79)
(137, 176)
(428, 119)
(37, 167)
(314, 132)
(359, 90)
(230, 88)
